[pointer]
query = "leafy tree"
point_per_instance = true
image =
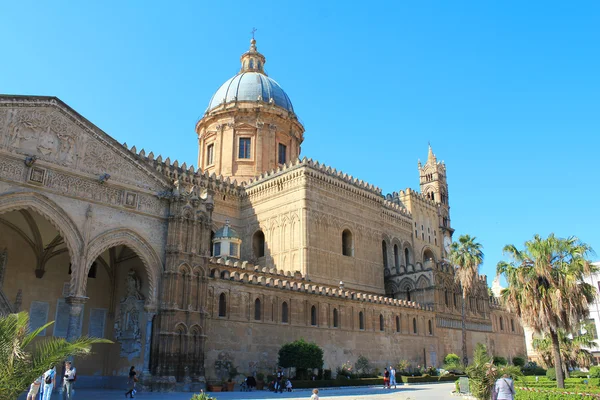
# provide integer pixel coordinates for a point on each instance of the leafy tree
(466, 255)
(452, 363)
(362, 365)
(301, 354)
(483, 373)
(546, 287)
(22, 361)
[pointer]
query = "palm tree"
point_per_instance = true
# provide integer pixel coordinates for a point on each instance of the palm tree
(22, 361)
(572, 348)
(466, 256)
(546, 288)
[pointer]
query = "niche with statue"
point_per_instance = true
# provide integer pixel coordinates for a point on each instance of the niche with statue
(127, 322)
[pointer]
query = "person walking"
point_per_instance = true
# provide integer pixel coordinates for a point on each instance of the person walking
(49, 379)
(315, 395)
(131, 382)
(386, 378)
(279, 383)
(392, 376)
(34, 389)
(504, 389)
(68, 386)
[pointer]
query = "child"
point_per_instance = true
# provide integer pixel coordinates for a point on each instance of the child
(288, 385)
(315, 395)
(34, 389)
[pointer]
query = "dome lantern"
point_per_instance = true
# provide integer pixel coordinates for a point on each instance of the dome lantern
(226, 242)
(252, 60)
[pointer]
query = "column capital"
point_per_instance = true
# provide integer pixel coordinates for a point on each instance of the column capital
(75, 300)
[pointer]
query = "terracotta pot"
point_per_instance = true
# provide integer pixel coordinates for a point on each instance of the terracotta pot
(213, 388)
(260, 385)
(230, 386)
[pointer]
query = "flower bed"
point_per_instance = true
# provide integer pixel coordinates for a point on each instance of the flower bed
(425, 378)
(554, 394)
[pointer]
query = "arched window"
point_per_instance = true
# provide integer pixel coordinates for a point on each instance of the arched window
(251, 63)
(430, 327)
(397, 324)
(501, 324)
(258, 64)
(455, 302)
(347, 245)
(407, 294)
(381, 323)
(406, 256)
(212, 237)
(396, 257)
(361, 321)
(257, 312)
(512, 325)
(335, 318)
(222, 305)
(414, 325)
(284, 312)
(258, 244)
(384, 253)
(446, 297)
(313, 316)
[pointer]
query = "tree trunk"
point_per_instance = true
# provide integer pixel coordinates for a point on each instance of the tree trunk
(464, 331)
(558, 365)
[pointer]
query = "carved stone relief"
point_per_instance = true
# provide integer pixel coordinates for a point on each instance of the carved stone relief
(127, 324)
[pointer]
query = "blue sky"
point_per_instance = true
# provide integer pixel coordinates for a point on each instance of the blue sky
(508, 93)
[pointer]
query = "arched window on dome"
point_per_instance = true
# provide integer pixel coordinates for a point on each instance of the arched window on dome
(251, 65)
(258, 65)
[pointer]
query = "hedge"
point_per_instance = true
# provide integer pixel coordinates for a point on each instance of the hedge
(423, 379)
(337, 383)
(555, 394)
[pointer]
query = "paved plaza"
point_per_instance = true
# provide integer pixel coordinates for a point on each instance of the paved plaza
(438, 391)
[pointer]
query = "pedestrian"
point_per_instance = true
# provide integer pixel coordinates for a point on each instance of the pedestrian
(68, 386)
(392, 376)
(504, 389)
(279, 383)
(49, 382)
(288, 385)
(131, 382)
(34, 389)
(315, 395)
(386, 378)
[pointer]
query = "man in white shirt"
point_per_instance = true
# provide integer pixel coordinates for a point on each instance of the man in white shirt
(49, 382)
(68, 381)
(392, 376)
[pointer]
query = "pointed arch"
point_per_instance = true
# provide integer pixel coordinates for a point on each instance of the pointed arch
(139, 245)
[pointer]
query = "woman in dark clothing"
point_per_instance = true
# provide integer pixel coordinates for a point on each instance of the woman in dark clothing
(131, 382)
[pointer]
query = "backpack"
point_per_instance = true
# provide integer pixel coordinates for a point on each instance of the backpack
(48, 379)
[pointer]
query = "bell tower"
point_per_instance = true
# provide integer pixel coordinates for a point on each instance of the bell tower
(432, 180)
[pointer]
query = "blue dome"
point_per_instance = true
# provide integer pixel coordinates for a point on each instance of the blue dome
(226, 232)
(251, 86)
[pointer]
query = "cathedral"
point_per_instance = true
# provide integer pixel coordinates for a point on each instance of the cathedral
(193, 272)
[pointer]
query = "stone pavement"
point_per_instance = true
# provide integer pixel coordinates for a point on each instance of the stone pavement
(438, 391)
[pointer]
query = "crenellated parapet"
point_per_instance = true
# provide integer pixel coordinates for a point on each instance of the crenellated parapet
(247, 273)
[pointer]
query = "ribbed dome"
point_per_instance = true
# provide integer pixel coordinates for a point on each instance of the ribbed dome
(226, 232)
(251, 86)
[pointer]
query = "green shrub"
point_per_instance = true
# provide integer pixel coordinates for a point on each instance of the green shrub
(518, 361)
(426, 378)
(337, 382)
(500, 360)
(525, 395)
(327, 374)
(202, 396)
(595, 372)
(551, 374)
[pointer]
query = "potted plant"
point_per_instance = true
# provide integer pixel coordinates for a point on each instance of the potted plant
(260, 381)
(233, 372)
(214, 387)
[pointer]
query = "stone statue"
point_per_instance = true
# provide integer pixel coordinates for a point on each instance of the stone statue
(127, 323)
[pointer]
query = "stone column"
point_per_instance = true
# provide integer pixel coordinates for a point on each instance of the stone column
(76, 304)
(149, 321)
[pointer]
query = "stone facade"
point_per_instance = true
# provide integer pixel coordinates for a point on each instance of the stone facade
(115, 242)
